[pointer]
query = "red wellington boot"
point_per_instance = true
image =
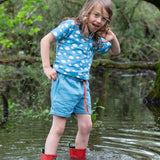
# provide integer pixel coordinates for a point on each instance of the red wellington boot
(47, 156)
(79, 154)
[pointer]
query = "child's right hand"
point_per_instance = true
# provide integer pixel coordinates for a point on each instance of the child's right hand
(50, 73)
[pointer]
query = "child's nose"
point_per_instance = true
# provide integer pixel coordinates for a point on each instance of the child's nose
(99, 19)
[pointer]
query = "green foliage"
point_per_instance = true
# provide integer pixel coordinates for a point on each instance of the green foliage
(137, 26)
(24, 23)
(20, 25)
(155, 91)
(19, 113)
(27, 90)
(3, 23)
(96, 122)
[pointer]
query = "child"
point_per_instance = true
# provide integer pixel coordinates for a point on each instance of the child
(77, 40)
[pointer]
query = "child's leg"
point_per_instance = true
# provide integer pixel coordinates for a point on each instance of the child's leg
(84, 128)
(57, 129)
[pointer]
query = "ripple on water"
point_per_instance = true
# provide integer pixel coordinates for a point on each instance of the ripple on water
(131, 144)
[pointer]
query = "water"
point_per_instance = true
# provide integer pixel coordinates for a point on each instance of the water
(125, 130)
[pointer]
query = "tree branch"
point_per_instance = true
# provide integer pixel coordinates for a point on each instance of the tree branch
(20, 59)
(122, 65)
(98, 62)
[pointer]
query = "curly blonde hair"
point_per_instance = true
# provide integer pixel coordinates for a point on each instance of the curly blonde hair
(82, 19)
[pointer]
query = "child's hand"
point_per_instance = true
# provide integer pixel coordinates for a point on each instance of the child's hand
(109, 36)
(106, 33)
(50, 73)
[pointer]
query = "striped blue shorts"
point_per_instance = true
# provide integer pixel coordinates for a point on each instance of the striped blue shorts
(69, 95)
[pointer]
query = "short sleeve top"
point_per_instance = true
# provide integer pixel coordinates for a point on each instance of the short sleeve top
(74, 53)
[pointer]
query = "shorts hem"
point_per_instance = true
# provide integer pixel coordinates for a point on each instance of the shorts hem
(60, 114)
(82, 113)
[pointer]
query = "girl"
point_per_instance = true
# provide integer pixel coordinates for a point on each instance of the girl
(77, 40)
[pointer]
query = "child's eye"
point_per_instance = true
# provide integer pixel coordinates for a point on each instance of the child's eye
(104, 19)
(96, 15)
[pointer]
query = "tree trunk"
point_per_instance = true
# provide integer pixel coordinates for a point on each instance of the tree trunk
(153, 98)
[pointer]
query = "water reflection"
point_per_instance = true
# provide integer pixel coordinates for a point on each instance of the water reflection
(127, 129)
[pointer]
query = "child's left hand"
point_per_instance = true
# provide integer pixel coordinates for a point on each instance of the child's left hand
(108, 35)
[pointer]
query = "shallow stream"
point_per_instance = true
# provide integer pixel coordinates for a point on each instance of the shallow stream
(125, 130)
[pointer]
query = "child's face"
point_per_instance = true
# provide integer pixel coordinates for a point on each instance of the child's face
(97, 18)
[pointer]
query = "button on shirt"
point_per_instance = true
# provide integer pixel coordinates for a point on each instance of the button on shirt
(74, 53)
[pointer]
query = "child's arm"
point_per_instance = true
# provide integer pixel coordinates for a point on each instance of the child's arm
(45, 51)
(109, 36)
(115, 47)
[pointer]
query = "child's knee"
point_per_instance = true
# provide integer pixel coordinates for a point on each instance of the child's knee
(58, 130)
(85, 127)
(89, 127)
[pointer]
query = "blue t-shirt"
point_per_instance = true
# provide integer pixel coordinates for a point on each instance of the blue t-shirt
(74, 53)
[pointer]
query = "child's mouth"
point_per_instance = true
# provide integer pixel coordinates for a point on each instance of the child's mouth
(96, 26)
